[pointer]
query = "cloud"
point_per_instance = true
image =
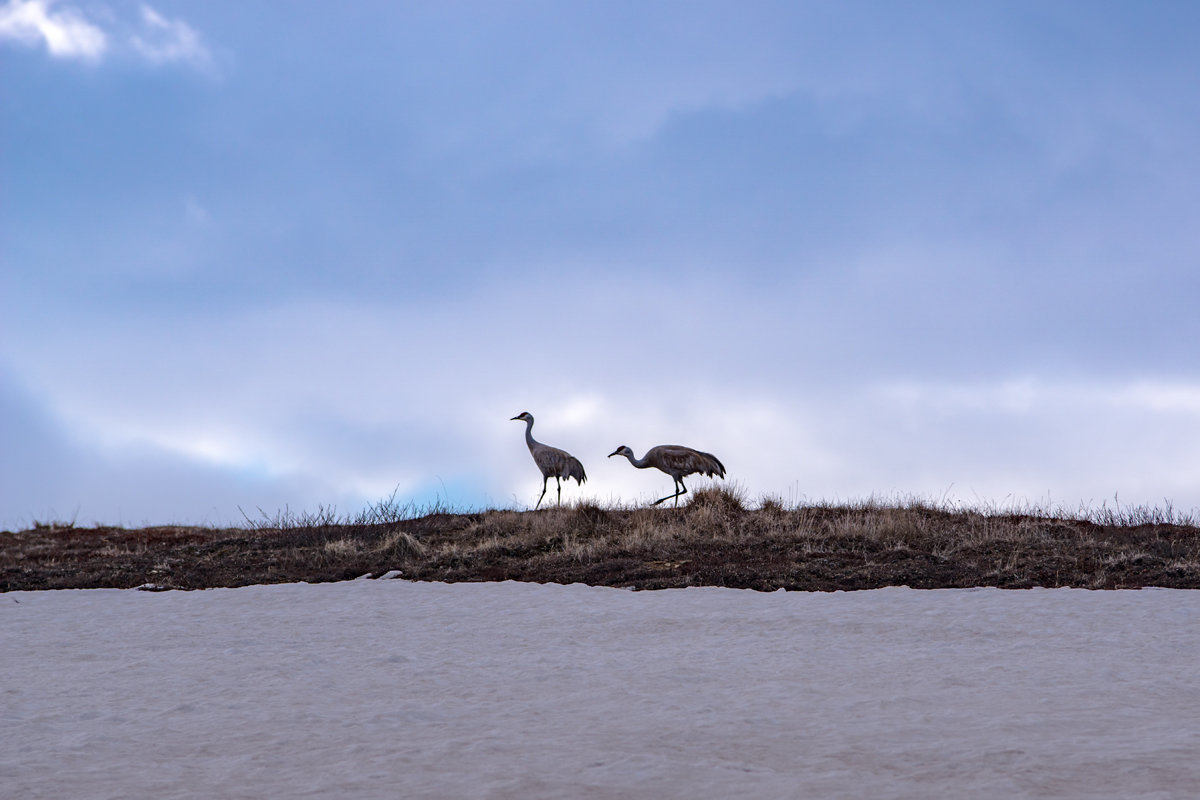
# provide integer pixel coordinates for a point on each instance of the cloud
(195, 213)
(166, 41)
(65, 33)
(354, 400)
(845, 261)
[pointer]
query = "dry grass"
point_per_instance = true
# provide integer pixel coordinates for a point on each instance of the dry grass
(716, 539)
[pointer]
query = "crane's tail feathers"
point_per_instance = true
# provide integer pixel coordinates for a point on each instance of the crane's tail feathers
(715, 467)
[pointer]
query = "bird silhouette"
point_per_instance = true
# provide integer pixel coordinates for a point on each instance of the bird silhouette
(677, 461)
(551, 461)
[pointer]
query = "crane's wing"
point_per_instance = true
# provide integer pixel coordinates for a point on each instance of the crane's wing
(689, 461)
(558, 463)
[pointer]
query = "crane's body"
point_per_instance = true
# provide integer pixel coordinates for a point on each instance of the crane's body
(677, 461)
(552, 462)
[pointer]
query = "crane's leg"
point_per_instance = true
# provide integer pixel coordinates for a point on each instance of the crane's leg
(679, 489)
(539, 502)
(558, 480)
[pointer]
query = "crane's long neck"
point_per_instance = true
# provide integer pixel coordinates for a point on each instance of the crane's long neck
(529, 440)
(640, 463)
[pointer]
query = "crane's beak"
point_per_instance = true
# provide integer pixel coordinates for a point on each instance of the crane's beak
(616, 452)
(514, 418)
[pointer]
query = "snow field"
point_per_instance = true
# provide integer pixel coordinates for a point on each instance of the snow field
(383, 689)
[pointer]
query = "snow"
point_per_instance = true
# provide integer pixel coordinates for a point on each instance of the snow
(384, 689)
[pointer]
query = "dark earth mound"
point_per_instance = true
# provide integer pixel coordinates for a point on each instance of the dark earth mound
(713, 541)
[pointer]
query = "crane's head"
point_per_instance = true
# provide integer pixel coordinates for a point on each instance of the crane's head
(524, 416)
(621, 451)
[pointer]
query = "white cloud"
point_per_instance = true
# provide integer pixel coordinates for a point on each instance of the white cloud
(65, 32)
(1159, 397)
(166, 41)
(1027, 395)
(357, 399)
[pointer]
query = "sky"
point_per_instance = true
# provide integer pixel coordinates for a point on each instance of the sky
(259, 258)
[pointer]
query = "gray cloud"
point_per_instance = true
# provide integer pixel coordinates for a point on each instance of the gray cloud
(49, 474)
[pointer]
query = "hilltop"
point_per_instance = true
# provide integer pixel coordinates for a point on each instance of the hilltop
(715, 540)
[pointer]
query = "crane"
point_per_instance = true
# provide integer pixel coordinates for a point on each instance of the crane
(550, 460)
(677, 461)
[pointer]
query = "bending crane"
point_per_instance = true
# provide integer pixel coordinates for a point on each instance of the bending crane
(550, 460)
(677, 461)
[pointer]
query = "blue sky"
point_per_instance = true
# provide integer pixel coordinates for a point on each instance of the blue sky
(258, 256)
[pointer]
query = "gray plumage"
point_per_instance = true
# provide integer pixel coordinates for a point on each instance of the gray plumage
(553, 463)
(677, 461)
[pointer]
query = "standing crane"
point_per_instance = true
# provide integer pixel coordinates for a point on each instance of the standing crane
(550, 460)
(677, 461)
